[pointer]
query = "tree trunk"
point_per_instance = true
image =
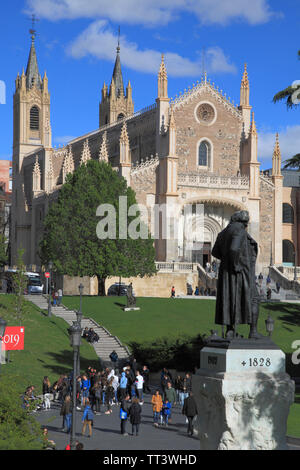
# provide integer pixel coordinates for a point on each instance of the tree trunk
(101, 286)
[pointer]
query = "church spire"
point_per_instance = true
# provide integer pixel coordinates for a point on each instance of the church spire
(245, 88)
(276, 160)
(162, 80)
(117, 73)
(32, 71)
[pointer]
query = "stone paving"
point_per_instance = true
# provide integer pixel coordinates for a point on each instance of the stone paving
(106, 431)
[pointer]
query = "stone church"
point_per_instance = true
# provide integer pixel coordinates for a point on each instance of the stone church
(195, 148)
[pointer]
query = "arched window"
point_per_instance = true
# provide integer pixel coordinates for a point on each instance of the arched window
(287, 213)
(204, 153)
(121, 116)
(288, 252)
(34, 118)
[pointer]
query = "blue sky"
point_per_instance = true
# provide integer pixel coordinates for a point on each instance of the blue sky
(76, 45)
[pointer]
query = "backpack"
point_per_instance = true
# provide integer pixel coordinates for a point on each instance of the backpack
(90, 414)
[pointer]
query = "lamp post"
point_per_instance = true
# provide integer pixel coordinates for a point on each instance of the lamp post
(79, 318)
(295, 266)
(75, 338)
(50, 266)
(2, 333)
(269, 325)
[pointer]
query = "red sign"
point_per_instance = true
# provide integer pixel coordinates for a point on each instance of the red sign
(13, 340)
(47, 274)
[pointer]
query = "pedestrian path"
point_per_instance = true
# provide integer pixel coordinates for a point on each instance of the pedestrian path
(107, 342)
(106, 430)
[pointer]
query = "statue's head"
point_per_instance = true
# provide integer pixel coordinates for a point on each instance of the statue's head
(241, 216)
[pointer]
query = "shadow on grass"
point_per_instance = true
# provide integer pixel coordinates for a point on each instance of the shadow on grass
(119, 304)
(64, 362)
(181, 353)
(287, 313)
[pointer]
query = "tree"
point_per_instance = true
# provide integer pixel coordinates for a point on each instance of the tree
(292, 96)
(19, 285)
(289, 94)
(71, 228)
(3, 251)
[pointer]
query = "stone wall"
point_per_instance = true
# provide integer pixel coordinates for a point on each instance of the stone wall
(155, 286)
(266, 220)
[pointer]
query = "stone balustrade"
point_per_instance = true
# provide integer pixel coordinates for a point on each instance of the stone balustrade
(202, 180)
(175, 266)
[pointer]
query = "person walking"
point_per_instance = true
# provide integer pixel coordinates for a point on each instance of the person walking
(135, 411)
(59, 298)
(124, 411)
(166, 412)
(139, 382)
(170, 396)
(109, 396)
(157, 404)
(190, 411)
(85, 387)
(46, 393)
(97, 389)
(66, 413)
(123, 386)
(173, 292)
(146, 377)
(87, 418)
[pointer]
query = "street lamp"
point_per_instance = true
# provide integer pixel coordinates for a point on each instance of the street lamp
(2, 333)
(50, 266)
(79, 318)
(295, 267)
(269, 325)
(75, 339)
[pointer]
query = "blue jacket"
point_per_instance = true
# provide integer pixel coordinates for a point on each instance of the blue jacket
(88, 413)
(86, 384)
(167, 408)
(123, 381)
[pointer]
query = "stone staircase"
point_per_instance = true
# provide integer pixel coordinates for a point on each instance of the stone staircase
(107, 342)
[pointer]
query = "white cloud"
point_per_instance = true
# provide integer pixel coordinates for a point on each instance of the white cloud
(99, 41)
(63, 140)
(153, 12)
(289, 141)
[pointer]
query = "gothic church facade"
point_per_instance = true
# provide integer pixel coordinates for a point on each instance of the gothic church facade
(197, 148)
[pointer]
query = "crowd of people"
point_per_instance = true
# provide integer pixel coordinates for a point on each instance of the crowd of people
(98, 391)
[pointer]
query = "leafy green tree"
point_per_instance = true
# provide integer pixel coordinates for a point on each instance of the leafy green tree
(19, 285)
(70, 228)
(3, 251)
(289, 94)
(18, 428)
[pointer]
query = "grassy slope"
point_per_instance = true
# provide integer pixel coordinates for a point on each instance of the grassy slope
(47, 348)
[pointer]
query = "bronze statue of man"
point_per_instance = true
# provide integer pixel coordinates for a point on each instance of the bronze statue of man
(237, 295)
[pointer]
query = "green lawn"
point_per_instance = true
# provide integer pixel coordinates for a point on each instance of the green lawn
(171, 317)
(47, 348)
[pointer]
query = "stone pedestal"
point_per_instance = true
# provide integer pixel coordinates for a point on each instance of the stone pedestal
(243, 396)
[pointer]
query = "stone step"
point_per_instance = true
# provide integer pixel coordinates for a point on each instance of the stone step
(107, 343)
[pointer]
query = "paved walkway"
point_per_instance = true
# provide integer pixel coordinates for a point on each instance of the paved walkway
(107, 342)
(107, 436)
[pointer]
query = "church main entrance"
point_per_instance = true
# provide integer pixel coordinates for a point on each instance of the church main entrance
(202, 255)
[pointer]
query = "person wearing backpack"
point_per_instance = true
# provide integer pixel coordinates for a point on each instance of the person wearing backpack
(97, 390)
(87, 418)
(124, 408)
